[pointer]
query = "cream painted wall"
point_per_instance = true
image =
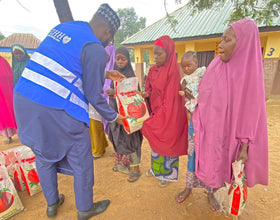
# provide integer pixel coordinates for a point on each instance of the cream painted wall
(272, 49)
(7, 56)
(270, 41)
(138, 53)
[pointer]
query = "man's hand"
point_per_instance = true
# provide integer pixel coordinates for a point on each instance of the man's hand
(143, 94)
(120, 118)
(243, 153)
(110, 93)
(114, 75)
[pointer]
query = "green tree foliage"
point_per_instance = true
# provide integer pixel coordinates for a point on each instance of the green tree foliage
(130, 24)
(262, 11)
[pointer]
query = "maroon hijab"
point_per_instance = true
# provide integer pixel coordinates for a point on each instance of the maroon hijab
(167, 127)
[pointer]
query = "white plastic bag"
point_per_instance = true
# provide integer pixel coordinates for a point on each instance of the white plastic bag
(238, 189)
(12, 163)
(29, 171)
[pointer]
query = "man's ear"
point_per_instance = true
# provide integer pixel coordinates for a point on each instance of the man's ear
(108, 32)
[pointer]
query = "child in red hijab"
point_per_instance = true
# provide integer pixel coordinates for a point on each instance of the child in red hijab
(167, 127)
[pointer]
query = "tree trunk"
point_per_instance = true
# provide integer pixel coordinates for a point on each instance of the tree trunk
(63, 10)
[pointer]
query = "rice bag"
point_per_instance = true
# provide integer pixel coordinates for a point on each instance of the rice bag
(29, 172)
(130, 104)
(10, 203)
(238, 189)
(12, 163)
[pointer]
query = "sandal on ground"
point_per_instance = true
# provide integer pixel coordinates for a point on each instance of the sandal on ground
(133, 177)
(115, 169)
(180, 198)
(214, 206)
(96, 157)
(8, 140)
(149, 173)
(163, 183)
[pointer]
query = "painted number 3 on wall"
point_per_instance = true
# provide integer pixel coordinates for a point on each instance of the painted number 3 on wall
(271, 52)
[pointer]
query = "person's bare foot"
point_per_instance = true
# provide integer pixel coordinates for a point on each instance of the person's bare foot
(135, 174)
(133, 177)
(149, 173)
(214, 205)
(181, 197)
(163, 183)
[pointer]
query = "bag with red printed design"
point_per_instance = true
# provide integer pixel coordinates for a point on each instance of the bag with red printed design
(130, 104)
(238, 189)
(12, 163)
(29, 172)
(10, 203)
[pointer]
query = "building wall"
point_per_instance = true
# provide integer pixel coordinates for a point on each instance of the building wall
(7, 56)
(271, 53)
(270, 66)
(270, 43)
(276, 83)
(139, 67)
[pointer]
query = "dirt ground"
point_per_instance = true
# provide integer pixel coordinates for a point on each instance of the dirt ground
(146, 200)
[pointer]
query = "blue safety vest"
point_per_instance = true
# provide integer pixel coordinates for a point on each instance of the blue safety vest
(53, 76)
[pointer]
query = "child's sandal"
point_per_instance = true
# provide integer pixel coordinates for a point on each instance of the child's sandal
(163, 183)
(149, 173)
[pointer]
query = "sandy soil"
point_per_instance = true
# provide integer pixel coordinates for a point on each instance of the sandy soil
(146, 200)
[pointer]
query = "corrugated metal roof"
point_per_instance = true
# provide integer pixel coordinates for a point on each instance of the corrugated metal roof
(29, 41)
(204, 24)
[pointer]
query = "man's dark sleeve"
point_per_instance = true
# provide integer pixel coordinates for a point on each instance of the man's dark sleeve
(93, 60)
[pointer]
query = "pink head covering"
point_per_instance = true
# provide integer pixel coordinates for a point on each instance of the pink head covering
(231, 110)
(110, 50)
(167, 127)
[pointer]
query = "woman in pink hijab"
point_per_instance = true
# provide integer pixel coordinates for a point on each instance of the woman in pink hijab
(8, 126)
(230, 118)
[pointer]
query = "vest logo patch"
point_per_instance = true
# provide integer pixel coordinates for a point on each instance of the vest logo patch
(59, 36)
(66, 39)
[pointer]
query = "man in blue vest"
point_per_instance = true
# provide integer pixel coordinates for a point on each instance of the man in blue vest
(51, 105)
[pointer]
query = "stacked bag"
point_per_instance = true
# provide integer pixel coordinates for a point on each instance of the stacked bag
(17, 172)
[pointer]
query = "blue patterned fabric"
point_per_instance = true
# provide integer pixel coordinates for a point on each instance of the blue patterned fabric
(164, 167)
(191, 153)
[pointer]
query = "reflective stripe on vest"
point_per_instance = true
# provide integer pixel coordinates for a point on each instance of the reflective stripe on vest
(57, 69)
(46, 83)
(52, 85)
